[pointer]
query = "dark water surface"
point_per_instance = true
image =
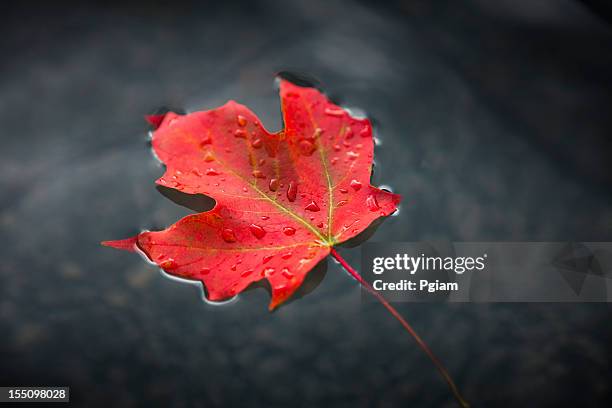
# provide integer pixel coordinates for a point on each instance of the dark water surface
(495, 124)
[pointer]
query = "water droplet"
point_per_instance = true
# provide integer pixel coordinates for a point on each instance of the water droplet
(343, 190)
(265, 217)
(257, 231)
(365, 132)
(233, 267)
(341, 203)
(246, 273)
(334, 160)
(317, 132)
(372, 203)
(268, 272)
(241, 133)
(245, 189)
(209, 156)
(337, 147)
(205, 141)
(196, 172)
(358, 146)
(334, 112)
(205, 271)
(320, 225)
(212, 172)
(285, 272)
(267, 258)
(346, 143)
(286, 255)
(258, 174)
(312, 206)
(348, 133)
(168, 264)
(242, 121)
(228, 235)
(261, 162)
(306, 147)
(274, 182)
(352, 155)
(292, 191)
(289, 231)
(356, 185)
(257, 143)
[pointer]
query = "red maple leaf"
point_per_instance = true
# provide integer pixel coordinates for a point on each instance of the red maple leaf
(283, 200)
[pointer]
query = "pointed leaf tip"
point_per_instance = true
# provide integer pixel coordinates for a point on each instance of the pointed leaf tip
(128, 244)
(155, 120)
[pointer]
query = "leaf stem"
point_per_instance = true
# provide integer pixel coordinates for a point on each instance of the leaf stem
(406, 326)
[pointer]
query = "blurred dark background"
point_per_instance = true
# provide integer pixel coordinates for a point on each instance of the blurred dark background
(495, 124)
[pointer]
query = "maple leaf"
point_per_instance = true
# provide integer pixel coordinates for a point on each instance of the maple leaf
(283, 200)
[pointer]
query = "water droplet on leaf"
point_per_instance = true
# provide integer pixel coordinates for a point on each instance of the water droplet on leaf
(372, 203)
(228, 235)
(205, 141)
(289, 231)
(306, 147)
(312, 206)
(168, 264)
(285, 272)
(274, 182)
(209, 156)
(257, 231)
(292, 191)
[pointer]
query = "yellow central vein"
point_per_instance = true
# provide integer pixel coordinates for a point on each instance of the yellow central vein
(274, 202)
(323, 156)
